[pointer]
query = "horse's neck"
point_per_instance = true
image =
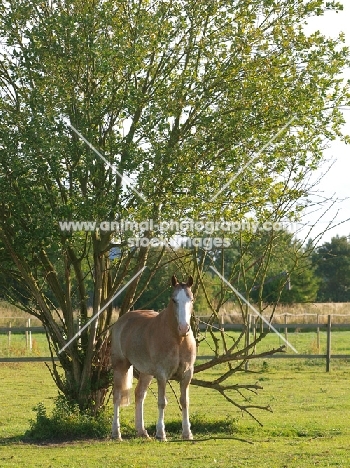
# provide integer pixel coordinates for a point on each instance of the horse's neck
(169, 318)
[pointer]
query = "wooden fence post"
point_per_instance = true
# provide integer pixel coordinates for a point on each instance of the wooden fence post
(286, 328)
(30, 337)
(9, 336)
(27, 336)
(329, 335)
(247, 339)
(254, 331)
(318, 334)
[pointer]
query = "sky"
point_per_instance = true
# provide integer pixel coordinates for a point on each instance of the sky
(336, 183)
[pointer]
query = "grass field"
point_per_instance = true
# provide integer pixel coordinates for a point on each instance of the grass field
(309, 425)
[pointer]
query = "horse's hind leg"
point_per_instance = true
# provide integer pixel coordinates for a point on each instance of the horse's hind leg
(117, 396)
(140, 395)
(122, 381)
(116, 423)
(185, 401)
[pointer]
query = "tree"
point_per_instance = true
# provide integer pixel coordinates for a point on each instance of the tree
(179, 99)
(332, 263)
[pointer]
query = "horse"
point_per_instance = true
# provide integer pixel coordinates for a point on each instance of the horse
(159, 345)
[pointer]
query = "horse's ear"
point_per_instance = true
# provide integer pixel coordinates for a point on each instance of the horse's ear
(174, 280)
(190, 281)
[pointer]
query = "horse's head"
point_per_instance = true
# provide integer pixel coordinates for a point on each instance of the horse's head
(182, 298)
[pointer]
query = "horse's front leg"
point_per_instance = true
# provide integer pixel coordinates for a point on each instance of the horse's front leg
(185, 402)
(162, 402)
(140, 394)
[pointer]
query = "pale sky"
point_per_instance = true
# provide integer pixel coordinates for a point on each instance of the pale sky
(337, 181)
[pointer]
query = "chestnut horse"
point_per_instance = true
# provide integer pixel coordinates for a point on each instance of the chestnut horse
(159, 345)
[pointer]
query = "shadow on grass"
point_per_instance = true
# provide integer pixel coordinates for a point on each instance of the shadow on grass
(11, 440)
(202, 429)
(47, 431)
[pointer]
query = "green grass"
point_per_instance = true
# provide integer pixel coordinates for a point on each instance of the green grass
(308, 427)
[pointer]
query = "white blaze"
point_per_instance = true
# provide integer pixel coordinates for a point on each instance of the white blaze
(184, 310)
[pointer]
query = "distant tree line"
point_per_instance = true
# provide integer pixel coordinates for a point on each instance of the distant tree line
(316, 274)
(322, 275)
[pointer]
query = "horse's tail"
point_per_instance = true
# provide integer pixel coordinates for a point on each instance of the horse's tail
(122, 369)
(126, 385)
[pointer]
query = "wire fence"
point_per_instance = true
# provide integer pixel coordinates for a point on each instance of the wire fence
(253, 325)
